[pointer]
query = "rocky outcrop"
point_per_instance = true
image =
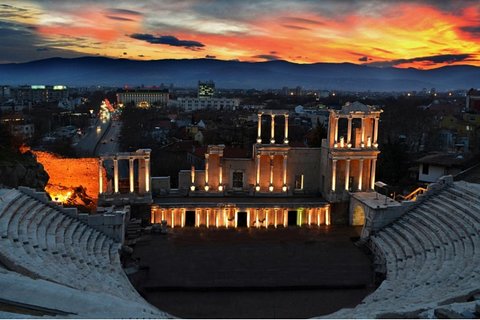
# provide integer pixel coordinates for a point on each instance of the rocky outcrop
(23, 170)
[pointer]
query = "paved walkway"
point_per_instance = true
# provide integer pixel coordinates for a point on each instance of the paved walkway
(244, 273)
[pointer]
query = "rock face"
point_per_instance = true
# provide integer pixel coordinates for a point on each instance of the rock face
(24, 170)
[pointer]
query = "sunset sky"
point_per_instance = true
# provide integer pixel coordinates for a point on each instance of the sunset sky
(422, 34)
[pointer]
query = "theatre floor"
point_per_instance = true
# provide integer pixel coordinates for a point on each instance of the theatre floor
(253, 273)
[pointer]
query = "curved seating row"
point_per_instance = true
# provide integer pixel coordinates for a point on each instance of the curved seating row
(431, 255)
(43, 242)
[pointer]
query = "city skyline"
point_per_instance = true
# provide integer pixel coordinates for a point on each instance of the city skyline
(422, 34)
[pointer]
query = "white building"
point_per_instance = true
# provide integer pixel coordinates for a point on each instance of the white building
(192, 104)
(143, 98)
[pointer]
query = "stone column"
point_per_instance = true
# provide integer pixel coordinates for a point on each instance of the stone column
(360, 174)
(349, 133)
(334, 173)
(100, 176)
(220, 177)
(285, 140)
(362, 142)
(336, 129)
(347, 174)
(115, 175)
(270, 188)
(208, 218)
(375, 133)
(372, 174)
(259, 129)
(284, 172)
(131, 176)
(206, 171)
(257, 164)
(147, 174)
(272, 130)
(327, 216)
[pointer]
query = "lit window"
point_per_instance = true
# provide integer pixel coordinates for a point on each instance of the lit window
(299, 182)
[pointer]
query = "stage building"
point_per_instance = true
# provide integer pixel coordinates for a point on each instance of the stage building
(279, 185)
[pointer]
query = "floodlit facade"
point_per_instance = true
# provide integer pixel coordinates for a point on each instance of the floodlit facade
(349, 154)
(206, 89)
(143, 98)
(279, 185)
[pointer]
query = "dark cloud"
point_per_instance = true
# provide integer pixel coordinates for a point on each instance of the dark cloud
(301, 20)
(210, 56)
(124, 11)
(8, 11)
(273, 52)
(268, 57)
(119, 18)
(364, 59)
(141, 55)
(474, 30)
(291, 26)
(21, 44)
(382, 50)
(432, 60)
(168, 40)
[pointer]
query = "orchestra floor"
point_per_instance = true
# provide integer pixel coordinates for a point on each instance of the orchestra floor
(253, 273)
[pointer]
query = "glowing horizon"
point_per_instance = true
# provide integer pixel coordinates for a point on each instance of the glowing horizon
(421, 34)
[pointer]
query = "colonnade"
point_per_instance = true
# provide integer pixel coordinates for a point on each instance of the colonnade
(284, 155)
(143, 179)
(359, 186)
(365, 141)
(229, 217)
(272, 115)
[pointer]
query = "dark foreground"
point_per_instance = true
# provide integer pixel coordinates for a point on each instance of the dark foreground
(253, 273)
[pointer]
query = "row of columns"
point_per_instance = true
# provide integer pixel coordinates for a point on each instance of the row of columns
(257, 169)
(130, 175)
(363, 143)
(360, 174)
(207, 187)
(272, 129)
(256, 217)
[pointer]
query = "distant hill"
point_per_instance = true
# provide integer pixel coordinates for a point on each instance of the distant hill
(88, 71)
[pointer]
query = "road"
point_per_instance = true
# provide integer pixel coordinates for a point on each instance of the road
(109, 143)
(86, 145)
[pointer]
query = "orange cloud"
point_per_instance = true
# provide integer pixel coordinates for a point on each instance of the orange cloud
(392, 33)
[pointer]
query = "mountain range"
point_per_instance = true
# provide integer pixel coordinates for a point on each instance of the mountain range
(87, 71)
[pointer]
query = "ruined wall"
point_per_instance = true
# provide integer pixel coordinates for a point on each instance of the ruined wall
(72, 180)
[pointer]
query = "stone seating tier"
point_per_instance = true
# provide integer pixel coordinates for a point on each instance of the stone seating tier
(431, 254)
(41, 241)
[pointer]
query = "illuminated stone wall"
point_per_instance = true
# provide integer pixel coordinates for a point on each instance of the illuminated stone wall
(67, 174)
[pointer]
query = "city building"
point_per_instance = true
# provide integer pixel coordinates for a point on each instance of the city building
(40, 93)
(473, 101)
(18, 126)
(143, 97)
(206, 89)
(192, 104)
(279, 185)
